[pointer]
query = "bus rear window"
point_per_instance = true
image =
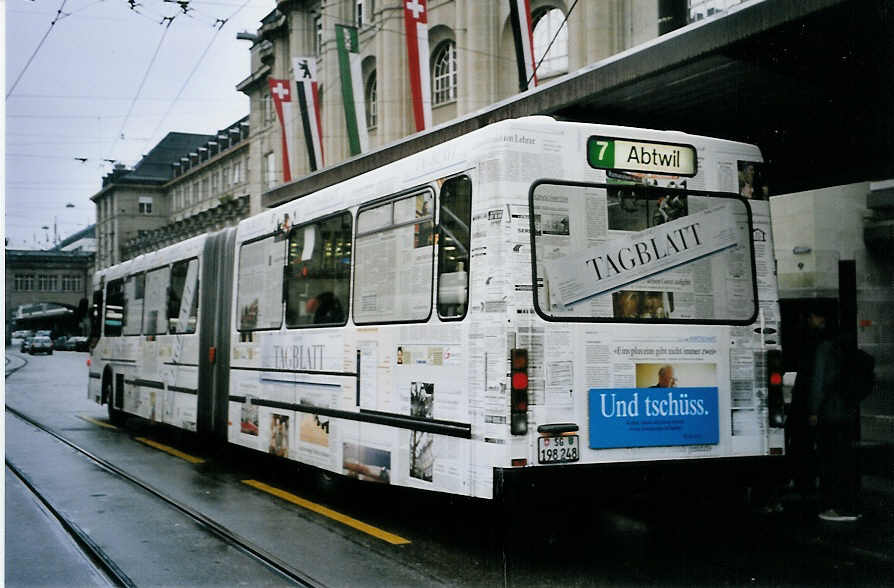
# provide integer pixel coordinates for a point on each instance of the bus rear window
(636, 253)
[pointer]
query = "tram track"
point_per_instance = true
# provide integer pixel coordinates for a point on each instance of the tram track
(11, 370)
(93, 551)
(279, 567)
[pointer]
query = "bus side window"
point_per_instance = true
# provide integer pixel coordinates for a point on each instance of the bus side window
(115, 308)
(394, 259)
(453, 247)
(318, 272)
(155, 316)
(259, 285)
(134, 296)
(183, 296)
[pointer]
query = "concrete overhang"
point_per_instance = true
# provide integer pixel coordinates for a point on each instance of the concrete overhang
(809, 82)
(253, 79)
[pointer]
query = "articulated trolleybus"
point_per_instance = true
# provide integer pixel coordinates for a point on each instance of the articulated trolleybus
(535, 297)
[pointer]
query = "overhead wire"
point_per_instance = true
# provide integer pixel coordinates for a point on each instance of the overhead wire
(218, 29)
(109, 98)
(142, 83)
(378, 26)
(59, 16)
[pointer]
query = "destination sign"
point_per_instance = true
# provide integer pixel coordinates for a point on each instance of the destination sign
(662, 158)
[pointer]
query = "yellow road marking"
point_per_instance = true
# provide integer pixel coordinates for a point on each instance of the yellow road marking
(328, 512)
(171, 450)
(97, 422)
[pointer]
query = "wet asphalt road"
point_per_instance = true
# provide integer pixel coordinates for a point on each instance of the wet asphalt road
(653, 537)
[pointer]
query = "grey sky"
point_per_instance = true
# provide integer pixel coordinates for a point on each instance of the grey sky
(74, 98)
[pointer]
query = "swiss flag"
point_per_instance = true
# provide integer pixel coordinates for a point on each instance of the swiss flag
(282, 101)
(416, 24)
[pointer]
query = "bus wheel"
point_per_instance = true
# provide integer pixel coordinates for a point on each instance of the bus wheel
(116, 417)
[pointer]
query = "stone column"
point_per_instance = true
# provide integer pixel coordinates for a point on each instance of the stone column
(335, 136)
(478, 55)
(395, 107)
(592, 30)
(300, 44)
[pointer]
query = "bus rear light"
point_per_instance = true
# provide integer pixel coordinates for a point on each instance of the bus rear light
(519, 396)
(89, 363)
(775, 401)
(519, 462)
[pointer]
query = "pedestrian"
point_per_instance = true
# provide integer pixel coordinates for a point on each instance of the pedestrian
(833, 413)
(800, 436)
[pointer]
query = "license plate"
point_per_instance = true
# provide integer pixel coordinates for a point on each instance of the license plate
(558, 449)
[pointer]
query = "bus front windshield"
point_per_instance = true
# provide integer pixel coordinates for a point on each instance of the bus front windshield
(633, 253)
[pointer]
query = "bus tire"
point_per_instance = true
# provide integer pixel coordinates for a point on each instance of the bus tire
(116, 417)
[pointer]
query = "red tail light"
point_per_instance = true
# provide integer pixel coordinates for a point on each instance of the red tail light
(89, 363)
(775, 401)
(518, 412)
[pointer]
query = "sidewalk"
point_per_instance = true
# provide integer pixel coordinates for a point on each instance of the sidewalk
(871, 537)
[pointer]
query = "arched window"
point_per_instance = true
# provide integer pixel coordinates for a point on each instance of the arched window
(443, 77)
(371, 104)
(547, 23)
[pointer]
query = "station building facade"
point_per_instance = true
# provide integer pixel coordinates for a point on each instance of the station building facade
(44, 289)
(472, 62)
(186, 185)
(192, 183)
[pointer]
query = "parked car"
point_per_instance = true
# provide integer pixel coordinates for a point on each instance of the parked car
(18, 337)
(60, 342)
(76, 343)
(41, 344)
(26, 343)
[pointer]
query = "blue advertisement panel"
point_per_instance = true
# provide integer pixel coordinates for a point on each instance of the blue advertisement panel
(652, 417)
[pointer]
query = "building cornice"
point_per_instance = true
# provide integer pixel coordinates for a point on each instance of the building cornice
(229, 211)
(142, 184)
(23, 257)
(215, 160)
(254, 79)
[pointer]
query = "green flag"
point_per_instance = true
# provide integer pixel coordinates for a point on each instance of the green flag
(348, 45)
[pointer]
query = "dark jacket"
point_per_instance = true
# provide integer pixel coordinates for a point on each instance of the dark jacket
(804, 379)
(828, 398)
